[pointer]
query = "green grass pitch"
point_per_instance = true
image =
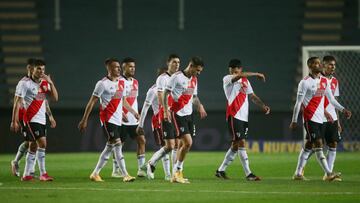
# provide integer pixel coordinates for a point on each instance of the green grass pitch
(71, 172)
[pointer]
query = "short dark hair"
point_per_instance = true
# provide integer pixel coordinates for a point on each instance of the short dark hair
(172, 56)
(128, 60)
(161, 70)
(108, 61)
(196, 61)
(311, 60)
(39, 62)
(31, 61)
(328, 58)
(234, 63)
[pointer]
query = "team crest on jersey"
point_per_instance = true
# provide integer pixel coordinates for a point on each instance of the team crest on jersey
(135, 86)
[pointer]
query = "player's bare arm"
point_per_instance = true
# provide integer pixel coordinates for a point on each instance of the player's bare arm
(15, 125)
(167, 116)
(130, 109)
(199, 107)
(256, 100)
(50, 115)
(53, 93)
(90, 105)
(336, 104)
(236, 77)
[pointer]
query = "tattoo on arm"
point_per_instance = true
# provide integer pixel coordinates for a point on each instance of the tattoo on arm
(48, 110)
(196, 102)
(256, 100)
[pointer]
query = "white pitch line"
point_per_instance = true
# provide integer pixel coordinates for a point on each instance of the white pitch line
(183, 191)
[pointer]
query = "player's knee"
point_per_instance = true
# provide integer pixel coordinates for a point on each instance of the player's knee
(332, 144)
(318, 143)
(33, 146)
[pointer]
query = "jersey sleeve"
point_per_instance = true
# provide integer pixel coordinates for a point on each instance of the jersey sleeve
(301, 88)
(150, 96)
(160, 84)
(337, 91)
(227, 80)
(249, 89)
(19, 91)
(99, 89)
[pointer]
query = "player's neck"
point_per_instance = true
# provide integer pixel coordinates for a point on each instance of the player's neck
(187, 72)
(127, 76)
(315, 75)
(112, 78)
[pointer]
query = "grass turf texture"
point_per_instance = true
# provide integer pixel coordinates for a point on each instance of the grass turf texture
(71, 172)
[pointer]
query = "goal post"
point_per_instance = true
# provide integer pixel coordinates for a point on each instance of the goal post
(348, 73)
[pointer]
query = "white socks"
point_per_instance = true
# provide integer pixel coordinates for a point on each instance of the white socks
(166, 165)
(303, 157)
(229, 157)
(157, 156)
(331, 155)
(141, 160)
(104, 157)
(322, 160)
(173, 157)
(21, 152)
(120, 159)
(40, 155)
(30, 162)
(244, 160)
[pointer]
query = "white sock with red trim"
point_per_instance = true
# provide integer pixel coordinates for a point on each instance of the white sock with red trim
(244, 160)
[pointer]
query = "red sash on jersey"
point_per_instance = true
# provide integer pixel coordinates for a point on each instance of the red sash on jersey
(310, 109)
(110, 109)
(131, 99)
(184, 99)
(239, 100)
(37, 102)
(333, 85)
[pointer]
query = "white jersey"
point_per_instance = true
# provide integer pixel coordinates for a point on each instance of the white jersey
(18, 93)
(334, 86)
(111, 94)
(161, 82)
(311, 93)
(182, 90)
(133, 85)
(34, 95)
(237, 97)
(150, 100)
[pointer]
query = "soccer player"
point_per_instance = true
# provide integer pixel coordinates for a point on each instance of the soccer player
(311, 95)
(33, 95)
(152, 100)
(167, 128)
(237, 88)
(130, 121)
(111, 90)
(331, 126)
(23, 147)
(182, 86)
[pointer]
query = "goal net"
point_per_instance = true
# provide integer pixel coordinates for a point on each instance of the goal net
(348, 74)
